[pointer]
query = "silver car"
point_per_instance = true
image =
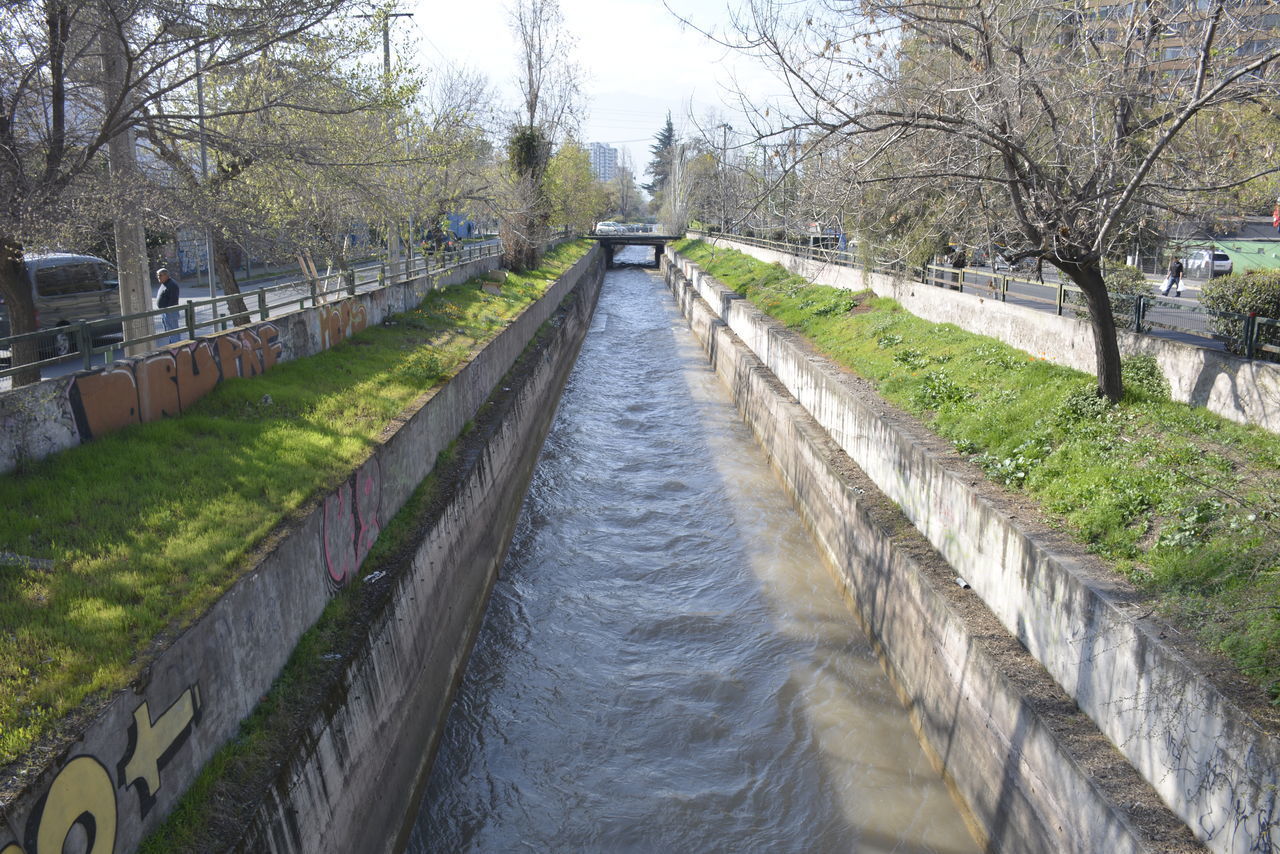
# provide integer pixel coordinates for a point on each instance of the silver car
(1208, 263)
(68, 288)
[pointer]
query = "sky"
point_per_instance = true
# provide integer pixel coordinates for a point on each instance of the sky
(638, 61)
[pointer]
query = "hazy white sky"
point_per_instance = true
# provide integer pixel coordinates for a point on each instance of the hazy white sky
(638, 61)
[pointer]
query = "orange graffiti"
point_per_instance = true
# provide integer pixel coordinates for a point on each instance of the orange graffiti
(229, 350)
(167, 383)
(341, 320)
(157, 377)
(197, 372)
(109, 399)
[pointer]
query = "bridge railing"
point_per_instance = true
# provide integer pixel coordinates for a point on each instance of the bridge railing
(1249, 336)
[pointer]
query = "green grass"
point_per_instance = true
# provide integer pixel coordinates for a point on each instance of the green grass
(1183, 502)
(239, 769)
(149, 526)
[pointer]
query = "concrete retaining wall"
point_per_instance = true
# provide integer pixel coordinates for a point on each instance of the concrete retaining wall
(1209, 761)
(128, 765)
(60, 413)
(1242, 390)
(353, 782)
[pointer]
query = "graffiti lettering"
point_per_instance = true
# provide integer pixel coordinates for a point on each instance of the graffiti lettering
(157, 377)
(197, 372)
(368, 508)
(341, 320)
(352, 521)
(165, 384)
(339, 536)
(81, 795)
(152, 745)
(104, 401)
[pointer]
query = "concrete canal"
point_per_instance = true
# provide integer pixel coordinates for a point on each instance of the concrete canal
(666, 663)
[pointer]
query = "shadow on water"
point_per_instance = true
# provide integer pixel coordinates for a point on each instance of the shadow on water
(665, 663)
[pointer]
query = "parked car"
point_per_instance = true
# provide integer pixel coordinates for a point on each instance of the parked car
(68, 288)
(608, 228)
(1208, 263)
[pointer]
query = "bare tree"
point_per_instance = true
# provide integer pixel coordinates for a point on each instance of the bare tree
(55, 123)
(548, 83)
(1055, 125)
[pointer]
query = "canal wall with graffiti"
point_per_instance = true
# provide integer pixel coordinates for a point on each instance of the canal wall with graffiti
(60, 413)
(1212, 764)
(119, 773)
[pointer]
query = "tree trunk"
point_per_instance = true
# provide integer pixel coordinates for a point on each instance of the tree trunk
(227, 278)
(20, 307)
(1088, 277)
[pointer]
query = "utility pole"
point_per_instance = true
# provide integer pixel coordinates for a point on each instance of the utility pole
(393, 234)
(204, 173)
(122, 155)
(724, 178)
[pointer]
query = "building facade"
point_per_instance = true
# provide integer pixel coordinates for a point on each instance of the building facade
(604, 161)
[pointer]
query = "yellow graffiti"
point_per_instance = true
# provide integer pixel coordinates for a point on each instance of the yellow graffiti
(12, 848)
(155, 738)
(82, 788)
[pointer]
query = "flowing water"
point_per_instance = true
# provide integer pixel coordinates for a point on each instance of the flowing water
(666, 664)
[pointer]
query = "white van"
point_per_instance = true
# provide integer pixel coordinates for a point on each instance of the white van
(68, 288)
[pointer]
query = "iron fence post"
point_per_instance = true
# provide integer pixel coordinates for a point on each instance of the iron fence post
(1250, 334)
(262, 305)
(315, 294)
(350, 276)
(1139, 310)
(190, 318)
(1059, 299)
(382, 275)
(85, 343)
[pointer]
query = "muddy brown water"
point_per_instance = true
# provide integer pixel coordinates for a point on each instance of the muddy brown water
(666, 664)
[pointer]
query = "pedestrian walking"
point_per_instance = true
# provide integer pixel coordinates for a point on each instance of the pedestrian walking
(167, 297)
(959, 261)
(1174, 281)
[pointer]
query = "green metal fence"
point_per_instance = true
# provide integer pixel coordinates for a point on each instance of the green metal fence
(82, 340)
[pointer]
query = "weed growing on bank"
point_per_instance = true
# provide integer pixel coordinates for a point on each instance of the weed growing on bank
(1182, 501)
(147, 527)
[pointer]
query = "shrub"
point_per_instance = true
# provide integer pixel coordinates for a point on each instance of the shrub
(1143, 374)
(1125, 284)
(1239, 294)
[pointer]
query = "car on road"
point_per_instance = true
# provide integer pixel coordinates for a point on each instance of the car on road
(1208, 263)
(67, 288)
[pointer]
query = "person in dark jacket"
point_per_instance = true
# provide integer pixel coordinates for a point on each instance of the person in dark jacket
(1174, 281)
(167, 297)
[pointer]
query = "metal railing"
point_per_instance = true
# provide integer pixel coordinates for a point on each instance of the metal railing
(1249, 336)
(81, 339)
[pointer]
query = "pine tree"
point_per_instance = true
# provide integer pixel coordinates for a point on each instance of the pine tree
(660, 166)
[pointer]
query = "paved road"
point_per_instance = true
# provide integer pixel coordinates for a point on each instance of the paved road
(1174, 318)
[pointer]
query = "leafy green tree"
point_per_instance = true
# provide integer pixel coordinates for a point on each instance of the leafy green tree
(577, 198)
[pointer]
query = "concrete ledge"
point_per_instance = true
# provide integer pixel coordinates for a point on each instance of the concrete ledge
(132, 758)
(1244, 390)
(353, 781)
(1209, 760)
(56, 414)
(1004, 752)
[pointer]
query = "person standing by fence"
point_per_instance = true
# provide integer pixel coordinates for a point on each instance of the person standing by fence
(1174, 281)
(167, 297)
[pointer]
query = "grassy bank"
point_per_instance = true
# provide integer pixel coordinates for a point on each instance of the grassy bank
(147, 527)
(1183, 502)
